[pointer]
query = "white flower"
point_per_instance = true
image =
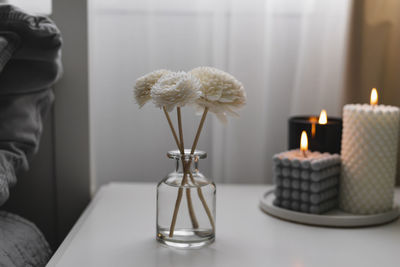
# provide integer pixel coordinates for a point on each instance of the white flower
(221, 93)
(143, 86)
(175, 89)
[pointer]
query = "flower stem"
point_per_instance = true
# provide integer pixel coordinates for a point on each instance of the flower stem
(199, 191)
(186, 170)
(204, 202)
(172, 127)
(196, 139)
(180, 144)
(193, 218)
(179, 116)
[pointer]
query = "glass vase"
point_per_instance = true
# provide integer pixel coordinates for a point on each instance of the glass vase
(186, 204)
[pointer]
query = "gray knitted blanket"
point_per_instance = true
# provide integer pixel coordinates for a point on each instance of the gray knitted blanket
(30, 64)
(21, 243)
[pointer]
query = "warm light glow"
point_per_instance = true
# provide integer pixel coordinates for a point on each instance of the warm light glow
(374, 97)
(313, 121)
(323, 118)
(303, 141)
(313, 130)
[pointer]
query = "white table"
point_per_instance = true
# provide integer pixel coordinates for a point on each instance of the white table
(118, 229)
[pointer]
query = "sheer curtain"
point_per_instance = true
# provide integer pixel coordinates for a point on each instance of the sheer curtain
(289, 54)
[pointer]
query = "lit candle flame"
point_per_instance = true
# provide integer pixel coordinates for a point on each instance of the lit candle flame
(304, 143)
(374, 97)
(323, 118)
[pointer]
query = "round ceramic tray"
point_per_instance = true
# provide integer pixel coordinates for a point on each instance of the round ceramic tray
(334, 218)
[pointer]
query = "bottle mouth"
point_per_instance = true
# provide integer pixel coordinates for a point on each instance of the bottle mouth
(176, 154)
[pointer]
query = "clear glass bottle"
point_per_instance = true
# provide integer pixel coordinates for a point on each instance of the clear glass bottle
(186, 204)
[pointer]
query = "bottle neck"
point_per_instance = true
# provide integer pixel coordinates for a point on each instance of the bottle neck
(194, 165)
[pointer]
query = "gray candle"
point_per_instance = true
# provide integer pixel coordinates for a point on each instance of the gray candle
(306, 181)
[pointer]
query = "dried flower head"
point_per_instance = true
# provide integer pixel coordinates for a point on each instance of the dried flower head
(221, 93)
(175, 89)
(143, 86)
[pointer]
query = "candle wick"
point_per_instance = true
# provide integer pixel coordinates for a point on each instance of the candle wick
(304, 153)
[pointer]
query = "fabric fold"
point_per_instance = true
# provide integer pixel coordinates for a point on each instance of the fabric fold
(9, 42)
(37, 55)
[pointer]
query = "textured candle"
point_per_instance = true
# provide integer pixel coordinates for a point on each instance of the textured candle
(307, 184)
(369, 157)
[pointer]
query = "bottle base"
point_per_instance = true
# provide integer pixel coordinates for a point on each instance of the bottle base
(186, 238)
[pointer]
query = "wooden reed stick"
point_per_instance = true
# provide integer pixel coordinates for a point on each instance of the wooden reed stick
(193, 218)
(204, 202)
(182, 144)
(176, 209)
(180, 191)
(172, 127)
(186, 168)
(199, 191)
(196, 139)
(192, 214)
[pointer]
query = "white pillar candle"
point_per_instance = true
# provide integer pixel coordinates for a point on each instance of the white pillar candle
(369, 157)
